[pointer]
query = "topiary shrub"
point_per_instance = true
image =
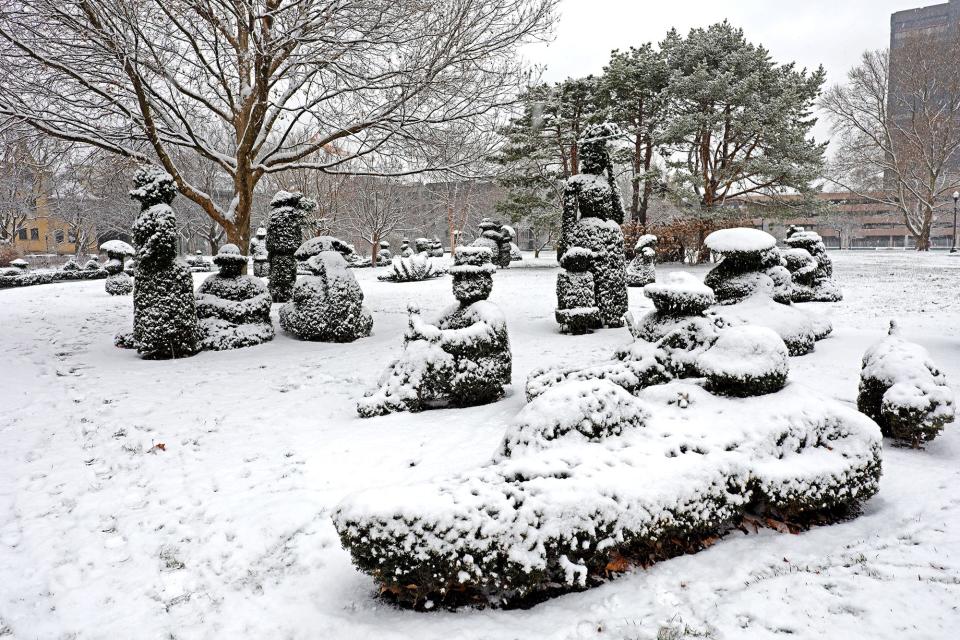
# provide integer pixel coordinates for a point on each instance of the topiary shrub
(745, 361)
(70, 265)
(751, 265)
(590, 478)
(577, 312)
(234, 309)
(198, 264)
(284, 236)
(118, 283)
(495, 237)
(259, 253)
(642, 269)
(164, 313)
(416, 268)
(592, 214)
(816, 285)
(459, 358)
(328, 305)
(903, 391)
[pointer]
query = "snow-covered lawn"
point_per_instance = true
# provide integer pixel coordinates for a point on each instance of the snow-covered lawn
(191, 498)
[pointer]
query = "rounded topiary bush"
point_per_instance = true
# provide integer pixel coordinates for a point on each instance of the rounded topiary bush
(745, 361)
(577, 312)
(234, 309)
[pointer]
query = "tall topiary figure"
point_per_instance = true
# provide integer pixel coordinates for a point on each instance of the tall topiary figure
(642, 269)
(811, 267)
(259, 253)
(592, 214)
(284, 235)
(164, 313)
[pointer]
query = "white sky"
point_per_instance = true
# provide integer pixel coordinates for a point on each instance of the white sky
(808, 32)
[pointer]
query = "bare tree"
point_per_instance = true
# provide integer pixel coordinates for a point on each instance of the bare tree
(260, 87)
(375, 208)
(897, 127)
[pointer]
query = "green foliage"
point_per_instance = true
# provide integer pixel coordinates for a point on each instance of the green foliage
(738, 122)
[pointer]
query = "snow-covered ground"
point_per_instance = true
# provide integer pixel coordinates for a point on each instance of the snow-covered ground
(191, 498)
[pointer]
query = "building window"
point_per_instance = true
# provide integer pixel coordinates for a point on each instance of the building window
(72, 237)
(58, 236)
(22, 234)
(35, 234)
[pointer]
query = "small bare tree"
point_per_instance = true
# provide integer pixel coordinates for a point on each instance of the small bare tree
(897, 127)
(375, 208)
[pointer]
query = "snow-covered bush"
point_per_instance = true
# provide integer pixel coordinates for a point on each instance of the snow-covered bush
(384, 255)
(494, 237)
(678, 299)
(745, 361)
(417, 267)
(904, 391)
(799, 328)
(259, 253)
(459, 358)
(588, 474)
(92, 265)
(118, 283)
(315, 246)
(422, 245)
(436, 248)
(284, 237)
(577, 312)
(816, 285)
(751, 265)
(70, 265)
(198, 264)
(515, 254)
(642, 269)
(234, 309)
(328, 305)
(164, 312)
(592, 214)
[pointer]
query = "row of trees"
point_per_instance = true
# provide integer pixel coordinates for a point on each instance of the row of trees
(707, 117)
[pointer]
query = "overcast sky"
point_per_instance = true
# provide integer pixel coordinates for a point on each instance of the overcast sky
(808, 32)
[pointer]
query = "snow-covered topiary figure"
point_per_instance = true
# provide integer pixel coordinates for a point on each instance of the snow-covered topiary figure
(642, 269)
(164, 313)
(904, 391)
(284, 236)
(422, 245)
(496, 239)
(92, 265)
(678, 298)
(315, 246)
(816, 284)
(259, 253)
(459, 358)
(751, 265)
(328, 305)
(745, 361)
(436, 248)
(118, 283)
(413, 269)
(515, 254)
(234, 309)
(384, 255)
(588, 476)
(405, 250)
(70, 265)
(799, 328)
(577, 312)
(592, 214)
(199, 264)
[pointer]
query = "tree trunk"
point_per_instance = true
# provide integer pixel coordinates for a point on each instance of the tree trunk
(374, 250)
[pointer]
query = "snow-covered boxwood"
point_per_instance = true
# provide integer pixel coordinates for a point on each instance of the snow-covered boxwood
(577, 312)
(588, 474)
(816, 285)
(118, 283)
(751, 265)
(416, 268)
(459, 358)
(327, 306)
(745, 361)
(284, 235)
(642, 269)
(234, 309)
(164, 312)
(904, 391)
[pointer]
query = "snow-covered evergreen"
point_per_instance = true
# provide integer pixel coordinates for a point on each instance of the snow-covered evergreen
(259, 253)
(812, 282)
(904, 391)
(164, 312)
(118, 283)
(577, 312)
(494, 237)
(592, 214)
(234, 309)
(284, 236)
(328, 305)
(460, 358)
(642, 269)
(413, 269)
(751, 265)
